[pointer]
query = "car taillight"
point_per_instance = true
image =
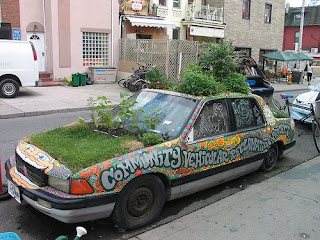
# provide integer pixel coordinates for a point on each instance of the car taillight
(35, 57)
(80, 186)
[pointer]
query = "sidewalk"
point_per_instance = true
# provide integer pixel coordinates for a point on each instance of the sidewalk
(43, 100)
(286, 207)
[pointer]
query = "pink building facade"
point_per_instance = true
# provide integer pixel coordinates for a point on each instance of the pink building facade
(71, 35)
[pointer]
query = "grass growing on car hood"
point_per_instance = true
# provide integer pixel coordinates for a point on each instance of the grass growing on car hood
(77, 146)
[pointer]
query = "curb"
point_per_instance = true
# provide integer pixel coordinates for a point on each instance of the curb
(39, 113)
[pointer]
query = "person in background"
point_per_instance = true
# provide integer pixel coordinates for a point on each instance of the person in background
(309, 76)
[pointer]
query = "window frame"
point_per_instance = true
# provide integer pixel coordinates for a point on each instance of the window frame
(233, 118)
(296, 37)
(179, 4)
(267, 20)
(163, 5)
(230, 122)
(95, 48)
(246, 14)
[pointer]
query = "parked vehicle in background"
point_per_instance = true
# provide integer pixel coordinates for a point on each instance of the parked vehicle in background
(18, 67)
(255, 78)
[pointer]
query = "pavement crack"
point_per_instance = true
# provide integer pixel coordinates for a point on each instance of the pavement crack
(277, 189)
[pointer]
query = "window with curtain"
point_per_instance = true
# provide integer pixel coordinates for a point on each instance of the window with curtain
(246, 9)
(267, 13)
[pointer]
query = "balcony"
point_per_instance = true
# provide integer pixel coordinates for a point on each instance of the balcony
(204, 13)
(138, 7)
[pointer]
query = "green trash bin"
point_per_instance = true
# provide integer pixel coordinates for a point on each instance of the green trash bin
(83, 78)
(75, 79)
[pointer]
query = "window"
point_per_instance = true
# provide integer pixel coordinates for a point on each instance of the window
(246, 9)
(212, 121)
(246, 113)
(267, 13)
(163, 2)
(245, 51)
(296, 37)
(176, 3)
(94, 49)
(176, 33)
(296, 18)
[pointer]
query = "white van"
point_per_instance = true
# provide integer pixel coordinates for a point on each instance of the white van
(18, 67)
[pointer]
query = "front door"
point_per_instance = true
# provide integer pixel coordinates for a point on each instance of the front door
(38, 41)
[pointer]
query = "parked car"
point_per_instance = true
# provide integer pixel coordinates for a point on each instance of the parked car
(18, 67)
(210, 140)
(304, 99)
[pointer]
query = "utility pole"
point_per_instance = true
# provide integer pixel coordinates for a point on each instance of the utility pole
(301, 26)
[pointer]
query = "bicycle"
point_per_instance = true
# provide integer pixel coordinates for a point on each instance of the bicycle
(314, 115)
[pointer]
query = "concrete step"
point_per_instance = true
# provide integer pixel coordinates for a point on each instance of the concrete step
(44, 75)
(49, 84)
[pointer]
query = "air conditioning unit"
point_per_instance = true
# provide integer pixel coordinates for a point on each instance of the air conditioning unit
(314, 50)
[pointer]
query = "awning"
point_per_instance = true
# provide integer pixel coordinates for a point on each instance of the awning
(148, 22)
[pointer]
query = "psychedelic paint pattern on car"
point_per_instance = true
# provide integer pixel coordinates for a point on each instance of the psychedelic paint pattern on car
(174, 160)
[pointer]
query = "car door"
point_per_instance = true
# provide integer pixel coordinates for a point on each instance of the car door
(249, 126)
(220, 142)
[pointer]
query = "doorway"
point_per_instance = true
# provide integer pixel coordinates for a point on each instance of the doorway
(38, 41)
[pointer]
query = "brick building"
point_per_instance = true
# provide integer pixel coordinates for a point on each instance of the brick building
(9, 18)
(311, 29)
(255, 27)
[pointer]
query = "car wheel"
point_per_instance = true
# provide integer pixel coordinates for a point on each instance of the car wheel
(9, 88)
(139, 203)
(271, 159)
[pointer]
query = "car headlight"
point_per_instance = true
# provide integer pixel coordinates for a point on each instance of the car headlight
(59, 184)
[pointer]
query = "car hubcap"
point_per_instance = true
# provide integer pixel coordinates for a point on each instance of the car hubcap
(140, 202)
(8, 89)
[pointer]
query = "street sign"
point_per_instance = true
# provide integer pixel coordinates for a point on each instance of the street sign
(16, 34)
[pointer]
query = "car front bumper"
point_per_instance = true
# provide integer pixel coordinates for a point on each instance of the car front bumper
(67, 210)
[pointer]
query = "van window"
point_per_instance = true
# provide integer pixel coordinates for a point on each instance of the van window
(213, 120)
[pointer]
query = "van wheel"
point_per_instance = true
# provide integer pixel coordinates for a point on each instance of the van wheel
(139, 203)
(271, 159)
(9, 88)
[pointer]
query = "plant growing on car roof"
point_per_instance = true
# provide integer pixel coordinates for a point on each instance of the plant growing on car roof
(219, 61)
(197, 82)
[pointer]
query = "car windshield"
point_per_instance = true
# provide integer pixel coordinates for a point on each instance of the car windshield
(161, 113)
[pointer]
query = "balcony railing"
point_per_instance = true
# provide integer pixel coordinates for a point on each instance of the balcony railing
(204, 12)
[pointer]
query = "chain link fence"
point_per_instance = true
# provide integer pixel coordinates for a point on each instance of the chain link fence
(170, 56)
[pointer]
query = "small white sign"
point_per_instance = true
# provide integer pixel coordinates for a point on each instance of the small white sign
(136, 5)
(14, 191)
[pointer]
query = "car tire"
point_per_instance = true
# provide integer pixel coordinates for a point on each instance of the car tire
(271, 159)
(9, 88)
(139, 203)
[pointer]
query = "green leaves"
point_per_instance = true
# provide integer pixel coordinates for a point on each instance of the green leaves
(215, 73)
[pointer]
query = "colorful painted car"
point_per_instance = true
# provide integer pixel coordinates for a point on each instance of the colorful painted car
(212, 140)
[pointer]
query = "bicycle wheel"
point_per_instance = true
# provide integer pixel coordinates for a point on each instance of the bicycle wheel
(316, 134)
(276, 104)
(122, 83)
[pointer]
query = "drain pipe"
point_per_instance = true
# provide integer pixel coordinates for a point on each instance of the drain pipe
(112, 31)
(45, 33)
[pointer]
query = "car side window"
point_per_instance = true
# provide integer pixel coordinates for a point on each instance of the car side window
(246, 113)
(212, 120)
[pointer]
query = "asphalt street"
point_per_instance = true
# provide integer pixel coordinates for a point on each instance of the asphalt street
(31, 224)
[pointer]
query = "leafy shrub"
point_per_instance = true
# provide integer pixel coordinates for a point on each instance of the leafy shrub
(236, 83)
(150, 139)
(219, 60)
(158, 80)
(279, 114)
(198, 83)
